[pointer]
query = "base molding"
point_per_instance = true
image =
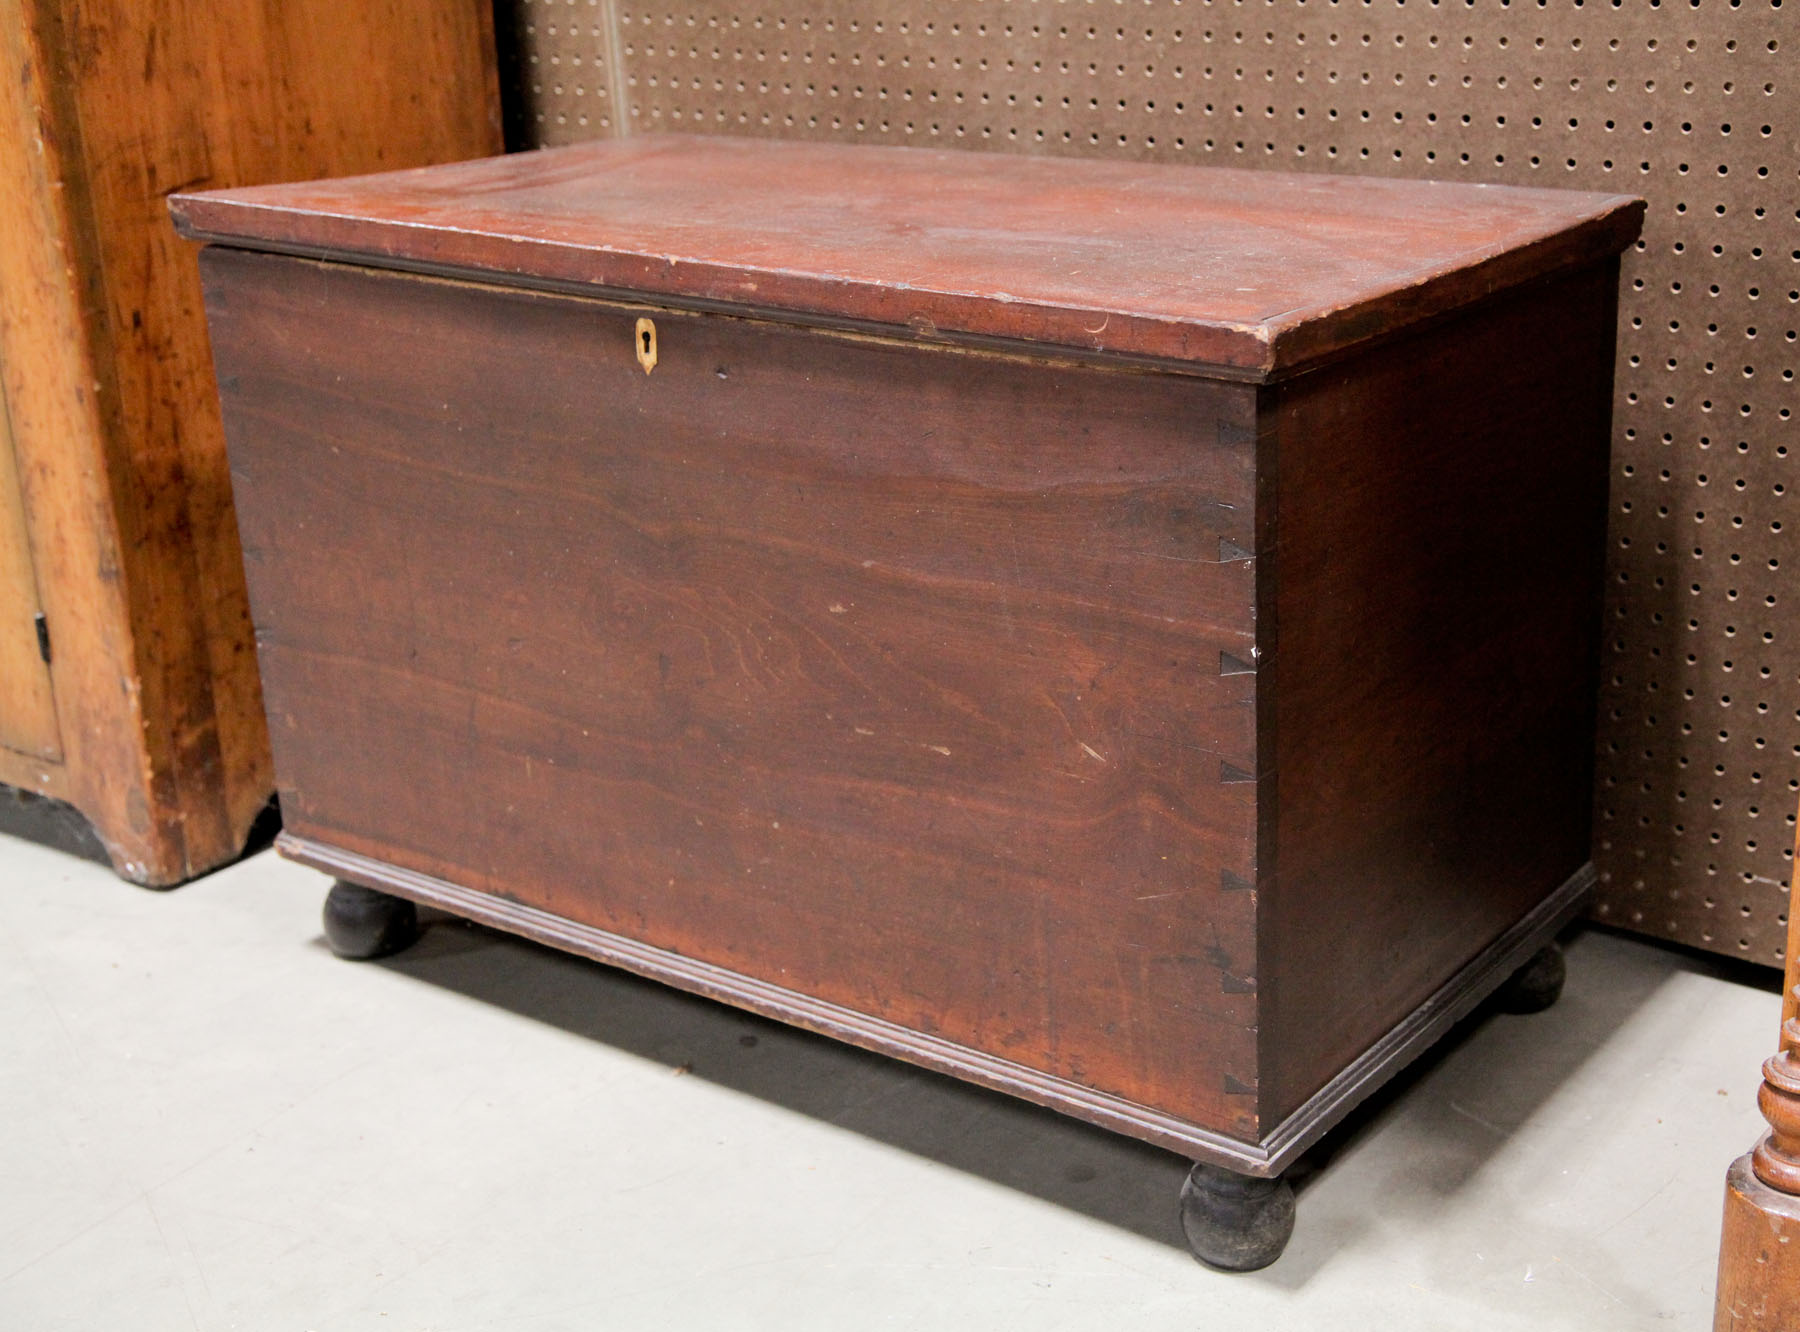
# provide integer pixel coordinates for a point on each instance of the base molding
(1451, 1002)
(1454, 1000)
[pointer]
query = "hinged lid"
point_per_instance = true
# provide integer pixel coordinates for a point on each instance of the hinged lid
(1249, 272)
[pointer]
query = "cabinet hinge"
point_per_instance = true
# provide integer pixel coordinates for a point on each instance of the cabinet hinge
(43, 635)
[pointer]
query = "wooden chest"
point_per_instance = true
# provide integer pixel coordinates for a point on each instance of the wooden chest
(1123, 635)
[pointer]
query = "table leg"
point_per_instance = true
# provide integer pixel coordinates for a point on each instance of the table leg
(1759, 1250)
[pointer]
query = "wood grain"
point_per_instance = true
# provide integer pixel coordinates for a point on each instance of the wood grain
(27, 709)
(1759, 1272)
(50, 368)
(107, 108)
(890, 677)
(1241, 270)
(1438, 530)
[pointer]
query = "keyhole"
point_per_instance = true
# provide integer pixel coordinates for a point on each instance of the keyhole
(646, 344)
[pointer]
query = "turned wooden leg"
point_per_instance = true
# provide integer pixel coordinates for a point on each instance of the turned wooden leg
(1759, 1248)
(1536, 985)
(361, 923)
(1234, 1222)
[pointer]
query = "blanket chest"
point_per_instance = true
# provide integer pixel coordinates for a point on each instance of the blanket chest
(1124, 635)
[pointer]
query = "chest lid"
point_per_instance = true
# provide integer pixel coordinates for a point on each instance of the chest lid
(1247, 273)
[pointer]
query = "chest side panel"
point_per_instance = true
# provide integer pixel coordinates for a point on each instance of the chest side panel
(898, 677)
(1430, 692)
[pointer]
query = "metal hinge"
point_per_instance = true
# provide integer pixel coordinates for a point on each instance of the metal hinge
(43, 633)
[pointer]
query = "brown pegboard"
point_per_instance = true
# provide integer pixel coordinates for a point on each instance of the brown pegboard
(556, 70)
(1691, 103)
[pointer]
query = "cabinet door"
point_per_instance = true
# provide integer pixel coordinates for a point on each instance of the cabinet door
(27, 710)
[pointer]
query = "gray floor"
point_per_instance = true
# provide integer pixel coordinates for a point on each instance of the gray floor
(211, 1123)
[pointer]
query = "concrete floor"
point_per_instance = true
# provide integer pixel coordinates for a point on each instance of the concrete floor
(211, 1123)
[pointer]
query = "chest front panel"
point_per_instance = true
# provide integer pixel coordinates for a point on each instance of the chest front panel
(911, 678)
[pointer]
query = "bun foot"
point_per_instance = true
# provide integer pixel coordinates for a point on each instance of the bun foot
(1233, 1222)
(361, 923)
(1536, 985)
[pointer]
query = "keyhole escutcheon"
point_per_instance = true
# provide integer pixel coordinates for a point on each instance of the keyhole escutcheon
(646, 344)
